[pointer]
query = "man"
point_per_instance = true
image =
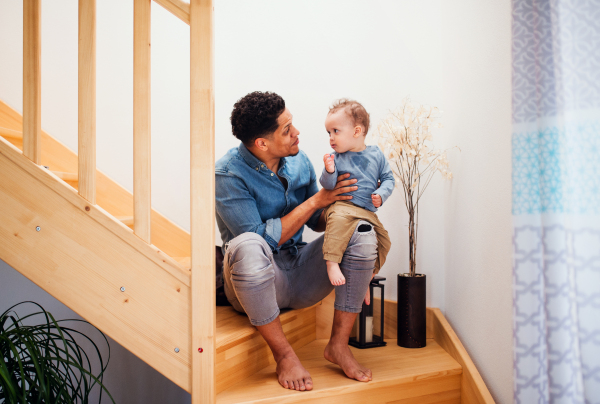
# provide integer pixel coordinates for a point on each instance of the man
(266, 191)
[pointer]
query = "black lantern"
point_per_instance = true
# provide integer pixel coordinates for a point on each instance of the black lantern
(365, 338)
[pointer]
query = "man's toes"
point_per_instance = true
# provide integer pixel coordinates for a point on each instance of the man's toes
(308, 383)
(284, 383)
(301, 385)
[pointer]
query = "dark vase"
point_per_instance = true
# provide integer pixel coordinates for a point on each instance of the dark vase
(411, 311)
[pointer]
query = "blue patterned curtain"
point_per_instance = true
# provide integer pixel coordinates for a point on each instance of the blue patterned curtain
(556, 200)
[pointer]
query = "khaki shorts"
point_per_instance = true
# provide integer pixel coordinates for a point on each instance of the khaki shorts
(342, 218)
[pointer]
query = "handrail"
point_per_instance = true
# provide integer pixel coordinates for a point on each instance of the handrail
(32, 80)
(178, 8)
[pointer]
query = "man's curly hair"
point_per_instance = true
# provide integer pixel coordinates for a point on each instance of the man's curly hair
(255, 115)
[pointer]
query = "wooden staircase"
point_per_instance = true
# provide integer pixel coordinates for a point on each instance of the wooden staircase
(88, 258)
(145, 281)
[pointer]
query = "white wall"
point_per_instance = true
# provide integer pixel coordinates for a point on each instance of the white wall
(311, 53)
(478, 221)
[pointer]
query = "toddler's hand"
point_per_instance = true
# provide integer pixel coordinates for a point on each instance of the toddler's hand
(376, 200)
(328, 159)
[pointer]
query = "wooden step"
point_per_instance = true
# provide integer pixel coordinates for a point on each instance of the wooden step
(242, 351)
(400, 375)
(10, 134)
(126, 220)
(66, 177)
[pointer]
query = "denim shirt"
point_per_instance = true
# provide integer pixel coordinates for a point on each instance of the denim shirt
(251, 198)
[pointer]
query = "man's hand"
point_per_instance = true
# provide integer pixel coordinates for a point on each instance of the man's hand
(325, 197)
(376, 200)
(328, 160)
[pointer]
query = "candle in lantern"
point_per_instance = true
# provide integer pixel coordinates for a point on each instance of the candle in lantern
(369, 329)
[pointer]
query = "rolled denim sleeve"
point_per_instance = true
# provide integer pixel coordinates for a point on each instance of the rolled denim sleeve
(313, 188)
(237, 208)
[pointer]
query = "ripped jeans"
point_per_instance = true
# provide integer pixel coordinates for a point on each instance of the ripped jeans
(261, 283)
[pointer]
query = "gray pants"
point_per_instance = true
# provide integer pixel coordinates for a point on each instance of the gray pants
(260, 283)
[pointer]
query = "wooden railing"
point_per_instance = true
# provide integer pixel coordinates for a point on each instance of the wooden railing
(199, 15)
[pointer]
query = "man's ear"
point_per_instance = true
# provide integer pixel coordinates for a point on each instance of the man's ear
(261, 144)
(358, 131)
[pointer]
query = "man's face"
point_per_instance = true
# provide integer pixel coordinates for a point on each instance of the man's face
(284, 141)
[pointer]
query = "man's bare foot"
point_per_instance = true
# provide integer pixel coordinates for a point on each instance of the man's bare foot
(335, 273)
(341, 355)
(292, 375)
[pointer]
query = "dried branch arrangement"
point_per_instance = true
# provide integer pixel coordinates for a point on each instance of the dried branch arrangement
(405, 137)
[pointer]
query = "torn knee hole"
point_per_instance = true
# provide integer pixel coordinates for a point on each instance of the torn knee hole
(364, 228)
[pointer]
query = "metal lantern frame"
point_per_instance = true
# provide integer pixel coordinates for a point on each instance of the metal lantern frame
(367, 311)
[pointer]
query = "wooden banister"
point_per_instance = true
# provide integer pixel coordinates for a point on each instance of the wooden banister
(202, 192)
(32, 82)
(178, 8)
(87, 100)
(141, 120)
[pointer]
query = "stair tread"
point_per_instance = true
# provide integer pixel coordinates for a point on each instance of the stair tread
(390, 365)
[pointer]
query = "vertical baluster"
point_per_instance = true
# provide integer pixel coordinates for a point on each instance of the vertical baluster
(141, 119)
(87, 100)
(32, 82)
(202, 162)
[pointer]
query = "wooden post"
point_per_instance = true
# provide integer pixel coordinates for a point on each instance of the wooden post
(87, 100)
(32, 80)
(141, 119)
(202, 175)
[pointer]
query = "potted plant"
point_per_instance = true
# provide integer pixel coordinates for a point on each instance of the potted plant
(405, 136)
(43, 363)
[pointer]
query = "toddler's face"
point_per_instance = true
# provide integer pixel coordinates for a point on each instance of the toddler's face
(343, 135)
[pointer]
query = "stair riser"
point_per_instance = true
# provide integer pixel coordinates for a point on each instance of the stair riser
(246, 356)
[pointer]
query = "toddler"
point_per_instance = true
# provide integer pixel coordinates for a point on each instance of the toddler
(347, 124)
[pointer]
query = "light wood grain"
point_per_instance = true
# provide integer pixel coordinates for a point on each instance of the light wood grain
(67, 177)
(168, 236)
(141, 120)
(126, 220)
(32, 80)
(87, 100)
(474, 390)
(202, 192)
(78, 257)
(178, 8)
(398, 374)
(10, 134)
(241, 350)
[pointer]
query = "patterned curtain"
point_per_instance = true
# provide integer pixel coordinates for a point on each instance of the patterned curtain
(556, 201)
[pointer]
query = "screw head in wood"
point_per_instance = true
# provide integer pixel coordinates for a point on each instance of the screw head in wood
(200, 350)
(176, 350)
(122, 288)
(38, 228)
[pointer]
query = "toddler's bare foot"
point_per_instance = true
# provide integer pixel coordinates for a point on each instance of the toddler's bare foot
(341, 355)
(335, 274)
